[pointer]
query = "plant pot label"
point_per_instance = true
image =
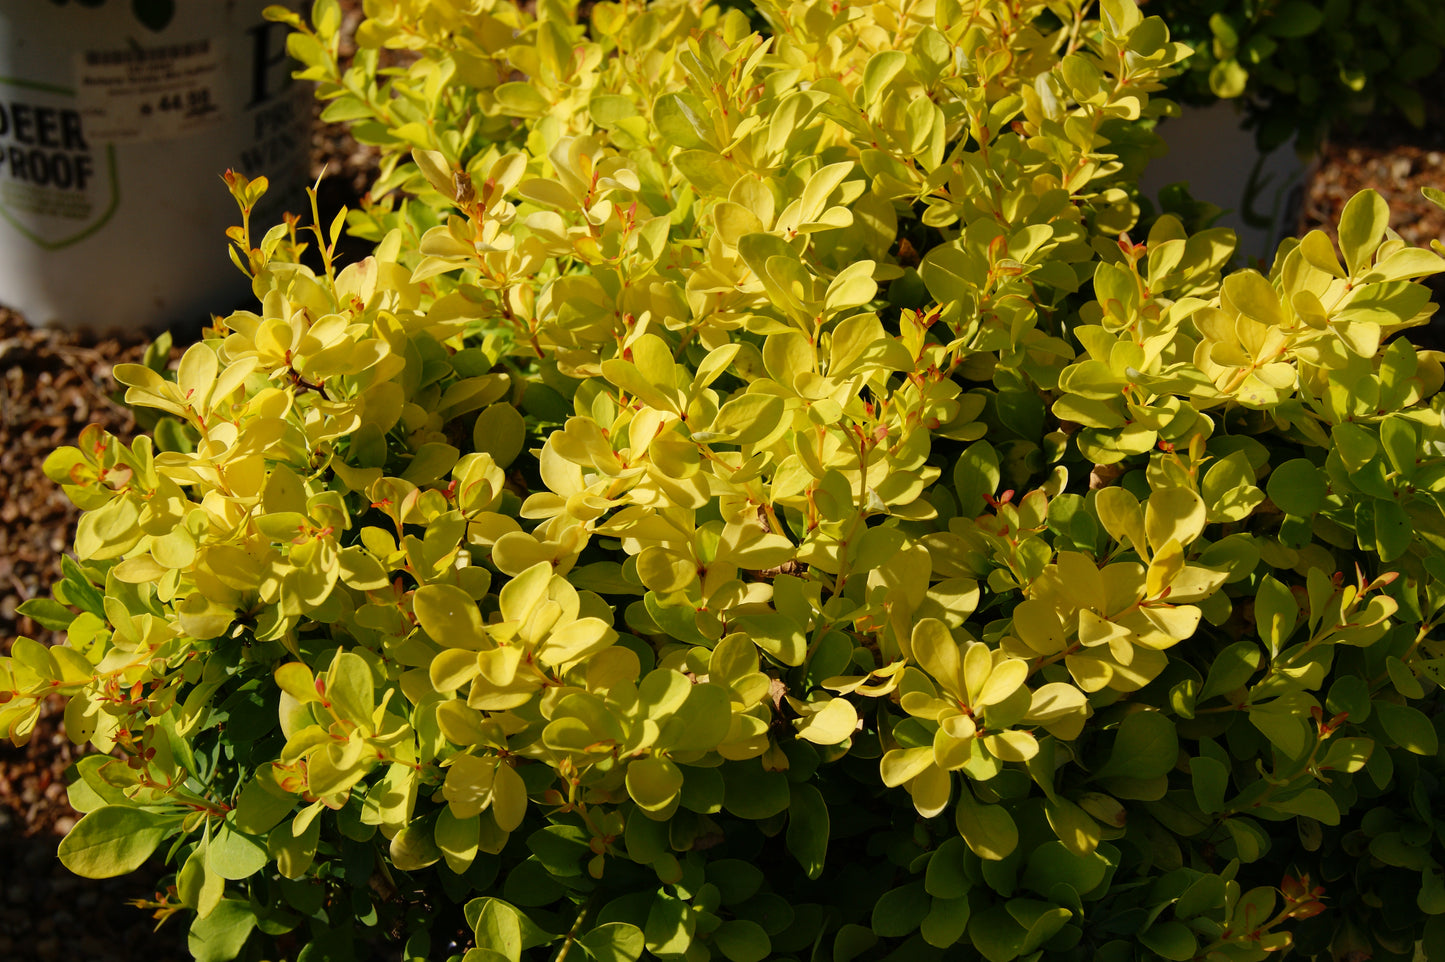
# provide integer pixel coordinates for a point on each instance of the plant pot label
(57, 182)
(116, 122)
(134, 94)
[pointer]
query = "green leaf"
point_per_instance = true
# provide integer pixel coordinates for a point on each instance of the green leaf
(1298, 487)
(808, 827)
(521, 99)
(47, 613)
(752, 792)
(78, 589)
(413, 848)
(746, 419)
(736, 880)
(653, 783)
(113, 840)
(975, 477)
(1052, 863)
(1394, 532)
(1347, 754)
(1145, 746)
(262, 804)
(682, 120)
(234, 855)
(1228, 488)
(220, 936)
(947, 873)
(1275, 613)
(1205, 894)
(1077, 831)
(987, 828)
(776, 634)
(1228, 79)
(1211, 780)
(881, 69)
(1171, 940)
(1409, 728)
(1295, 18)
(1004, 932)
(742, 941)
(501, 431)
(899, 911)
(458, 838)
(669, 927)
(613, 942)
(1313, 803)
(560, 849)
(349, 685)
(497, 928)
(531, 933)
(1230, 669)
(945, 922)
(1250, 841)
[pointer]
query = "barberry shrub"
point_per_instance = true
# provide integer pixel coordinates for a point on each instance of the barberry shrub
(757, 501)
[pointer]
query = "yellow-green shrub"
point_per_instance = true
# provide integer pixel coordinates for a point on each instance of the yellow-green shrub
(757, 502)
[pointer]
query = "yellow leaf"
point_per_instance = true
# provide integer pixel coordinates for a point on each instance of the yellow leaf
(1011, 745)
(936, 652)
(1003, 681)
(1122, 517)
(1038, 626)
(931, 791)
(1173, 514)
(575, 641)
(509, 798)
(453, 668)
(468, 785)
(1167, 563)
(829, 724)
(898, 765)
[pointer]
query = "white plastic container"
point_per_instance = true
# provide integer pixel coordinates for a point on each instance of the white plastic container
(117, 120)
(1210, 149)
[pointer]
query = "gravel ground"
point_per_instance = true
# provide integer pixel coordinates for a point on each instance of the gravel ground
(56, 383)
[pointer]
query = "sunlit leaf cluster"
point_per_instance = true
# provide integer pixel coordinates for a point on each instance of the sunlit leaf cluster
(756, 501)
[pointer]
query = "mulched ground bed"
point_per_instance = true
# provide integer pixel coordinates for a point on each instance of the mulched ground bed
(56, 383)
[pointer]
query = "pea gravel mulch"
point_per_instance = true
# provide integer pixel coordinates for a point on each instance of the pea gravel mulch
(52, 384)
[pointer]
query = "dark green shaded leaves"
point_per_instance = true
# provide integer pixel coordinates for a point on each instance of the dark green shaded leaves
(808, 827)
(742, 941)
(1211, 780)
(1409, 728)
(1145, 746)
(1230, 669)
(947, 875)
(752, 792)
(900, 910)
(1019, 926)
(1171, 940)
